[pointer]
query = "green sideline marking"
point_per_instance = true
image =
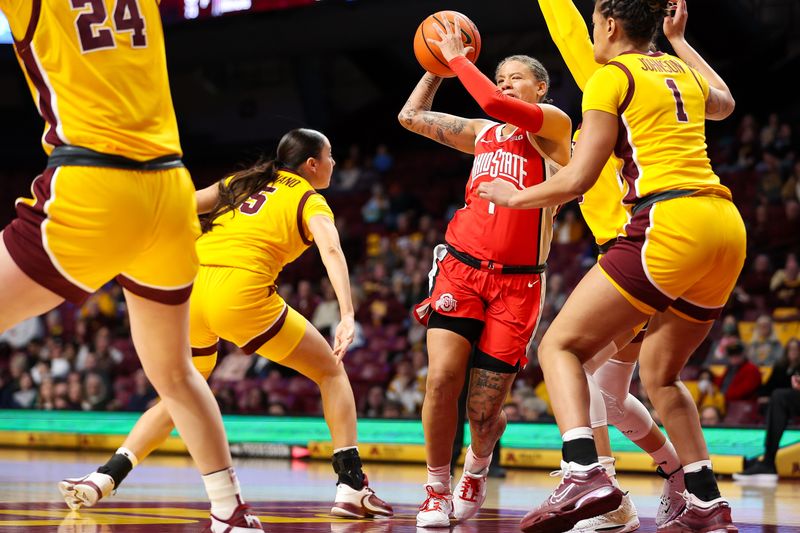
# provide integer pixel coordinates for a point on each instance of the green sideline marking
(301, 430)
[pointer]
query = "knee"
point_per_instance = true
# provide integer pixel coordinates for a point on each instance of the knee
(442, 385)
(654, 379)
(165, 380)
(483, 425)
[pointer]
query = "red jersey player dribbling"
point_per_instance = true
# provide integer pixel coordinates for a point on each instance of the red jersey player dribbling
(487, 284)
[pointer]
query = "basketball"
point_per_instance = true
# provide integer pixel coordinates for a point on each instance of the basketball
(429, 55)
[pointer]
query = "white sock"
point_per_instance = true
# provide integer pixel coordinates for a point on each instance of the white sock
(667, 458)
(611, 471)
(577, 433)
(474, 464)
(129, 454)
(337, 450)
(439, 474)
(224, 493)
(697, 466)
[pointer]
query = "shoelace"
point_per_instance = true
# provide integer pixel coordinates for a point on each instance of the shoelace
(471, 485)
(436, 499)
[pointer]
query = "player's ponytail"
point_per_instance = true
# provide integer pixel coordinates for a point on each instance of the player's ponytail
(294, 149)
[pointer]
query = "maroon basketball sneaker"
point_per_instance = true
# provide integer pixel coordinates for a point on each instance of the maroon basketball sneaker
(702, 517)
(241, 521)
(352, 503)
(584, 492)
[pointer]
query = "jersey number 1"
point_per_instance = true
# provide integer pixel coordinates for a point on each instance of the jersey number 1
(127, 18)
(680, 111)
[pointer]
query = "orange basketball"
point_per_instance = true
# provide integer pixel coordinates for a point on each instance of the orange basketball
(429, 55)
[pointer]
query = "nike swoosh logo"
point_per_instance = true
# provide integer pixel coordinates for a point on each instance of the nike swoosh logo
(554, 498)
(532, 283)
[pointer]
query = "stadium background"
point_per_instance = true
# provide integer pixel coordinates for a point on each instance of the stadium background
(242, 79)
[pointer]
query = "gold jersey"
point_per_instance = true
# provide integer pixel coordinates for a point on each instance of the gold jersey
(98, 74)
(660, 102)
(268, 231)
(601, 205)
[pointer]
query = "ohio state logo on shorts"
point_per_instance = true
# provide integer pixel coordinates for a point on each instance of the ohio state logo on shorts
(446, 303)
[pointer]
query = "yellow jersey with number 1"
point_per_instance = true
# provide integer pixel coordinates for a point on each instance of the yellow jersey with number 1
(97, 71)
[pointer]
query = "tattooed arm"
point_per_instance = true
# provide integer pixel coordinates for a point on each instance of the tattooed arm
(450, 130)
(719, 102)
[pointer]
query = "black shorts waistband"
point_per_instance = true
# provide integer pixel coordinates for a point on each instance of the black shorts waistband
(492, 266)
(603, 249)
(650, 199)
(78, 156)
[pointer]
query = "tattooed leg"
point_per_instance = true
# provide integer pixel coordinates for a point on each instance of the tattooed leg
(487, 421)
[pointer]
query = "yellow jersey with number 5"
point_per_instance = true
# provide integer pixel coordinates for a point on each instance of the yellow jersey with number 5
(98, 74)
(660, 102)
(269, 230)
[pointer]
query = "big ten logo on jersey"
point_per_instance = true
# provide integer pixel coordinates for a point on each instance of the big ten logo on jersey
(500, 164)
(256, 201)
(95, 30)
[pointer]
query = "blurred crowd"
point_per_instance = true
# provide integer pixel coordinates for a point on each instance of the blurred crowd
(391, 210)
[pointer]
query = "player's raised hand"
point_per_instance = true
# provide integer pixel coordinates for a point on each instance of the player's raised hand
(675, 23)
(497, 191)
(345, 332)
(451, 43)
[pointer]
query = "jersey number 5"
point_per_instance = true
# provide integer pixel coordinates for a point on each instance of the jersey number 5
(92, 33)
(680, 111)
(256, 201)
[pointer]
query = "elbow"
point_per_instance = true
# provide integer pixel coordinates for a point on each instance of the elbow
(406, 118)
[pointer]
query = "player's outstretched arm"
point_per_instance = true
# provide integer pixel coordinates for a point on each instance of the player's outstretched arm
(326, 236)
(594, 146)
(571, 36)
(449, 130)
(719, 102)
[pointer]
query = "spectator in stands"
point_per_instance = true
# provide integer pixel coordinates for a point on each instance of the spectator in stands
(791, 188)
(326, 314)
(74, 395)
(705, 392)
(143, 396)
(392, 409)
(730, 335)
(785, 284)
(785, 236)
(770, 181)
(26, 394)
(710, 416)
(752, 291)
(254, 402)
(47, 397)
(97, 397)
(106, 355)
(765, 347)
(376, 399)
(532, 409)
(741, 378)
(277, 409)
(511, 410)
(784, 404)
(305, 301)
(382, 161)
(782, 371)
(404, 389)
(377, 206)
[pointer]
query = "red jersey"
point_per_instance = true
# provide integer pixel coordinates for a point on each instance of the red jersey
(500, 234)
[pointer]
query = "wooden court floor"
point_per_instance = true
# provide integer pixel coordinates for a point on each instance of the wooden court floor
(165, 495)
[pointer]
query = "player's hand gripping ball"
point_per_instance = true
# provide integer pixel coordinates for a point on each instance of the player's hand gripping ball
(434, 27)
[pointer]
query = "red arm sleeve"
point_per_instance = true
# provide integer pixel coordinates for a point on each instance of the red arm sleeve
(493, 101)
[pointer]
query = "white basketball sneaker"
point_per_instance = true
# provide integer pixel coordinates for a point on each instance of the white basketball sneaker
(87, 490)
(241, 521)
(470, 494)
(352, 503)
(621, 520)
(672, 502)
(437, 509)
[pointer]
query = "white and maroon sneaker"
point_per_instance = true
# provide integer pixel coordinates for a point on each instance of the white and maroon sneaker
(241, 521)
(352, 503)
(87, 490)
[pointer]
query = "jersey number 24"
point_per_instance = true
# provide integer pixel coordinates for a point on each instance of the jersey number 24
(93, 34)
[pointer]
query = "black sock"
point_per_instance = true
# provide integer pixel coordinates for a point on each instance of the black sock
(117, 467)
(347, 465)
(703, 484)
(581, 451)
